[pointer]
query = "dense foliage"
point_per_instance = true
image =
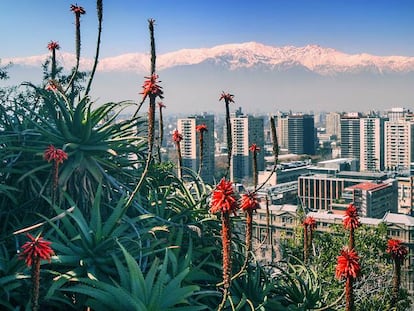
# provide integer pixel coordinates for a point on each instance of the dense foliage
(121, 230)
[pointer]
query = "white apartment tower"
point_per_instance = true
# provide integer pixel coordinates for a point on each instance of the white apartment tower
(190, 148)
(246, 130)
(399, 145)
(371, 144)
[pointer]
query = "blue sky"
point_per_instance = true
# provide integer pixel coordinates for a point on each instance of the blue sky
(374, 27)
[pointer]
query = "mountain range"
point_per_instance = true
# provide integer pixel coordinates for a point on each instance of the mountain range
(309, 78)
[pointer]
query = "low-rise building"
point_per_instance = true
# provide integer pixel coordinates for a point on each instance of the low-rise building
(282, 221)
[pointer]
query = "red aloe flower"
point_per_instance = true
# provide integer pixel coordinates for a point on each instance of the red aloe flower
(228, 98)
(396, 249)
(398, 252)
(309, 225)
(77, 9)
(34, 251)
(348, 267)
(351, 219)
(310, 222)
(151, 87)
(37, 247)
(223, 198)
(58, 156)
(254, 148)
(55, 154)
(161, 105)
(177, 137)
(351, 222)
(53, 45)
(249, 202)
(201, 128)
(348, 264)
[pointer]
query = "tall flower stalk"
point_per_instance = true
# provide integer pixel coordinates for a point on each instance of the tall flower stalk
(228, 98)
(223, 201)
(58, 156)
(52, 47)
(254, 149)
(152, 90)
(348, 268)
(249, 204)
(161, 106)
(351, 222)
(34, 251)
(99, 10)
(309, 225)
(200, 130)
(398, 253)
(177, 138)
(78, 11)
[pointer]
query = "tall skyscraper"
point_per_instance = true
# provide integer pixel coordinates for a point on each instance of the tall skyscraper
(371, 144)
(296, 132)
(246, 130)
(190, 147)
(399, 144)
(350, 135)
(333, 124)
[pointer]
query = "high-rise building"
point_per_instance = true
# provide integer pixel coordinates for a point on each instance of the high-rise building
(399, 146)
(333, 125)
(350, 135)
(246, 130)
(297, 133)
(190, 147)
(397, 113)
(371, 144)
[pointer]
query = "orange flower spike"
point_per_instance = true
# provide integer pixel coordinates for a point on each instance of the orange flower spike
(177, 137)
(55, 154)
(396, 249)
(201, 128)
(77, 9)
(223, 198)
(309, 222)
(228, 98)
(249, 202)
(351, 219)
(348, 264)
(36, 248)
(53, 45)
(151, 87)
(254, 148)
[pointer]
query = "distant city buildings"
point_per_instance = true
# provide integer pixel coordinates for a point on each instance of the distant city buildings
(190, 146)
(399, 146)
(246, 130)
(333, 125)
(350, 135)
(371, 144)
(296, 132)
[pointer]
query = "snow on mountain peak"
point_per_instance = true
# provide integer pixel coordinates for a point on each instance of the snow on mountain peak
(321, 60)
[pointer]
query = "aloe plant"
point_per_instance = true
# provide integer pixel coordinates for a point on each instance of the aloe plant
(154, 290)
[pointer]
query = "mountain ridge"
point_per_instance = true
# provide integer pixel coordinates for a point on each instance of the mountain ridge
(250, 55)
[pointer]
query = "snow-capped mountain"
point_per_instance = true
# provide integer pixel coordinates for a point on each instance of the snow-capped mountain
(250, 55)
